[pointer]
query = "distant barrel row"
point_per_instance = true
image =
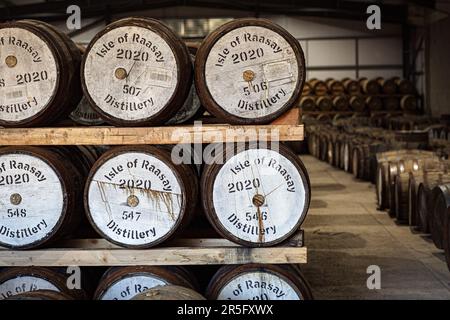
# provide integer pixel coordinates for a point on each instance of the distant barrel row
(137, 72)
(359, 95)
(241, 282)
(366, 86)
(141, 196)
(409, 168)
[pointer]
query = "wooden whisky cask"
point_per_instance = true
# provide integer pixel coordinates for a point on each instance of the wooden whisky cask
(20, 280)
(371, 87)
(136, 197)
(374, 103)
(384, 160)
(391, 103)
(357, 103)
(41, 191)
(443, 204)
(324, 103)
(249, 71)
(319, 87)
(408, 103)
(241, 194)
(258, 282)
(39, 74)
(169, 293)
(388, 86)
(352, 87)
(415, 178)
(124, 283)
(404, 165)
(341, 103)
(401, 191)
(308, 103)
(136, 72)
(307, 89)
(441, 199)
(426, 203)
(405, 86)
(335, 87)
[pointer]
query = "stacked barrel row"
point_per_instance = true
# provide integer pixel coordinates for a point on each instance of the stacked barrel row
(239, 282)
(409, 167)
(138, 72)
(361, 95)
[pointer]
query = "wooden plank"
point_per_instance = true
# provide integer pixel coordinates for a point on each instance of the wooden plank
(156, 256)
(291, 117)
(295, 241)
(149, 135)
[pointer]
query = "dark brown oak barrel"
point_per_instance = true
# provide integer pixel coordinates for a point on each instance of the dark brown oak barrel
(124, 283)
(39, 80)
(258, 282)
(136, 197)
(249, 71)
(136, 72)
(239, 194)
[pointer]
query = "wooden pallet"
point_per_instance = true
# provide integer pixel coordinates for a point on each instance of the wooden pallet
(99, 252)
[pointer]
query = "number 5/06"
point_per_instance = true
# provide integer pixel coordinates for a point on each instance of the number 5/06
(255, 88)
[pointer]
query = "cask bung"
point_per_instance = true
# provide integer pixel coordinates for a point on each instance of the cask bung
(249, 71)
(241, 194)
(39, 74)
(136, 197)
(136, 72)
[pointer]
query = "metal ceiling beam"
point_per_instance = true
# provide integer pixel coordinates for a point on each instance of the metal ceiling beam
(354, 10)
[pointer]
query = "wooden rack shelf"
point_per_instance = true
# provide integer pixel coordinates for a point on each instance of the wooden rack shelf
(285, 128)
(148, 135)
(99, 252)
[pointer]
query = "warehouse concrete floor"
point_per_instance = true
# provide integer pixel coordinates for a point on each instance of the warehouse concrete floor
(345, 234)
